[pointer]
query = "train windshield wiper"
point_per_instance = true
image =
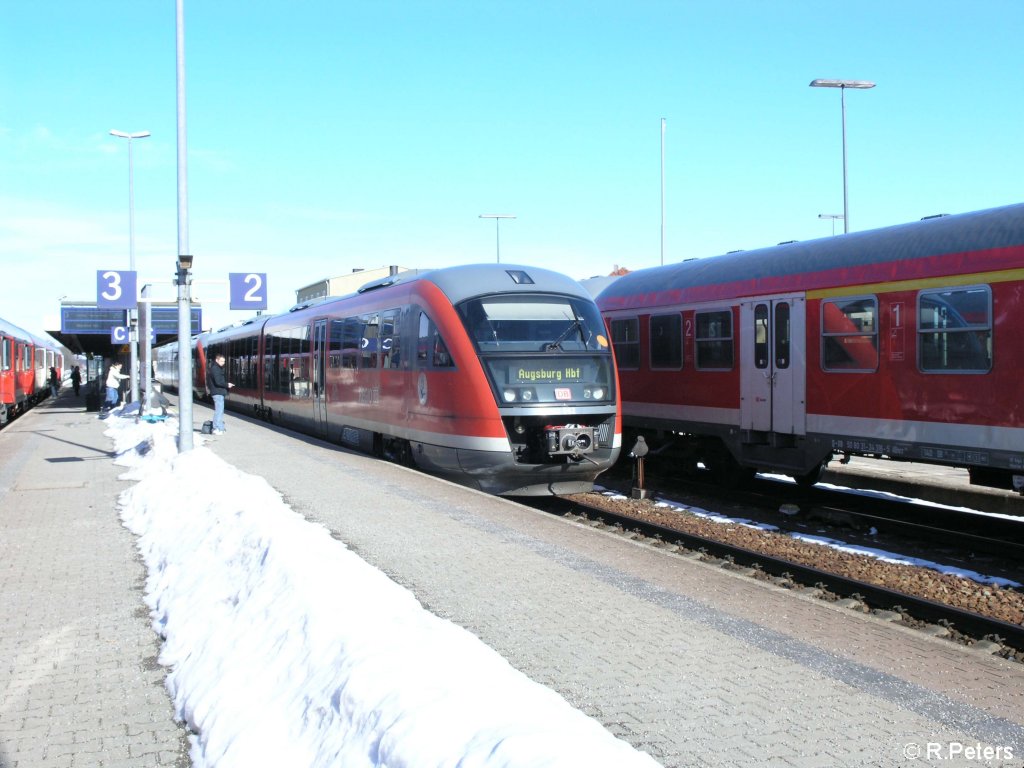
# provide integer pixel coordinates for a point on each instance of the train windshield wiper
(575, 325)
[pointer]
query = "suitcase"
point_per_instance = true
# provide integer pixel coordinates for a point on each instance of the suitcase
(92, 401)
(207, 427)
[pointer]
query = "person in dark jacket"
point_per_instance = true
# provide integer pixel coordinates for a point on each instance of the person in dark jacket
(54, 381)
(76, 379)
(218, 384)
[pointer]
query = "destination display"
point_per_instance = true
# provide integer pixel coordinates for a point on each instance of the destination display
(87, 319)
(545, 374)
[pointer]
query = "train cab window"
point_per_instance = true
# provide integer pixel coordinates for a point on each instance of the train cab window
(954, 330)
(626, 340)
(7, 361)
(431, 350)
(667, 341)
(713, 340)
(849, 334)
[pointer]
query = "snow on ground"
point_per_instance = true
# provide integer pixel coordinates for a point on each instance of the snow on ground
(286, 649)
(860, 549)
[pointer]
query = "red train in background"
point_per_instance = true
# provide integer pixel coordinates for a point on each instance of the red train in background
(25, 362)
(494, 376)
(904, 343)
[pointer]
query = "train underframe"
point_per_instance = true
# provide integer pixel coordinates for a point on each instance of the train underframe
(732, 456)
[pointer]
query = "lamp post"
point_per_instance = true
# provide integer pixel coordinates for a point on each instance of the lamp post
(832, 216)
(184, 265)
(497, 225)
(133, 338)
(842, 85)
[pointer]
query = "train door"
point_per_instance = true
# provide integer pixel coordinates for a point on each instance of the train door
(319, 374)
(773, 365)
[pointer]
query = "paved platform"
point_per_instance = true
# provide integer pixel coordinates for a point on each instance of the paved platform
(79, 680)
(695, 665)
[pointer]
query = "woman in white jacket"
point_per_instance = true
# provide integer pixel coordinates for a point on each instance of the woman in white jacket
(114, 377)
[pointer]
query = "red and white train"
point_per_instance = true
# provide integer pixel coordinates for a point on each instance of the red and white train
(495, 376)
(25, 362)
(905, 342)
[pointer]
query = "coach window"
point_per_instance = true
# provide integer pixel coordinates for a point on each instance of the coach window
(7, 355)
(667, 341)
(713, 340)
(336, 336)
(390, 342)
(351, 337)
(761, 336)
(954, 330)
(782, 335)
(849, 334)
(370, 342)
(626, 340)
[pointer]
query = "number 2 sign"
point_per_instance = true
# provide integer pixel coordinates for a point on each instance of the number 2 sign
(248, 290)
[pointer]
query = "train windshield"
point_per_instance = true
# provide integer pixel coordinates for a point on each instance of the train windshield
(532, 323)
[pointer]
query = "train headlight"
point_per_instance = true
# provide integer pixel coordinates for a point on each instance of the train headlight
(527, 394)
(509, 395)
(598, 393)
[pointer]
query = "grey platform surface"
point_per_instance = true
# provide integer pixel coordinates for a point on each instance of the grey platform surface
(693, 664)
(79, 681)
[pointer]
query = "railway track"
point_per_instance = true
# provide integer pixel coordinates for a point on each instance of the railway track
(938, 618)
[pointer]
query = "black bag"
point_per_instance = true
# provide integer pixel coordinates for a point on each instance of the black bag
(207, 427)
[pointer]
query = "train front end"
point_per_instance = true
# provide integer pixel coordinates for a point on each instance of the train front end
(549, 364)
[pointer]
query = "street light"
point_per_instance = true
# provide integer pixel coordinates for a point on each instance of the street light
(842, 85)
(497, 224)
(832, 216)
(131, 250)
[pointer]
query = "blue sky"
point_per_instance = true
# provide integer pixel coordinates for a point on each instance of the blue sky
(325, 136)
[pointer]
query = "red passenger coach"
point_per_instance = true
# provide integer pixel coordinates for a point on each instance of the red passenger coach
(498, 377)
(25, 362)
(905, 343)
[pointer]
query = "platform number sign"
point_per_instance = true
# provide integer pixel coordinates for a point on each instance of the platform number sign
(116, 289)
(119, 334)
(248, 290)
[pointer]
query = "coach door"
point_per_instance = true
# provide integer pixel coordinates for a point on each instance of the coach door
(320, 376)
(773, 365)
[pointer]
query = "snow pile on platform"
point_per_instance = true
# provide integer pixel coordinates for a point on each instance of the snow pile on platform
(286, 649)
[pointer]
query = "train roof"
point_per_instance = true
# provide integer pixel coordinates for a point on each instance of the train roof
(471, 280)
(981, 241)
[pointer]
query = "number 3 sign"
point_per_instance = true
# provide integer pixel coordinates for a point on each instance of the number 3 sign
(248, 290)
(116, 289)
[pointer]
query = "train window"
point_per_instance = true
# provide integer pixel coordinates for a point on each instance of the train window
(761, 336)
(7, 354)
(667, 341)
(369, 344)
(849, 334)
(529, 322)
(390, 340)
(626, 340)
(431, 350)
(713, 340)
(337, 332)
(782, 335)
(351, 335)
(954, 330)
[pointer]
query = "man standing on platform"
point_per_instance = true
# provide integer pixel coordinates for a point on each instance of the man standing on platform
(218, 384)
